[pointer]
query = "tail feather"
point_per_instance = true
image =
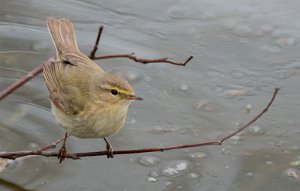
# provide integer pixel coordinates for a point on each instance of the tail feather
(62, 33)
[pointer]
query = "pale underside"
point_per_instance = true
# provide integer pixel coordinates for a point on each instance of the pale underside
(96, 125)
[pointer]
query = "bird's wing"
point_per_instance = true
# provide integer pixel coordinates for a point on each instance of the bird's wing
(65, 96)
(67, 79)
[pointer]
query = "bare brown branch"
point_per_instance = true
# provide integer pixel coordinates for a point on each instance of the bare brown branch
(131, 56)
(43, 152)
(143, 60)
(93, 52)
(52, 145)
(24, 79)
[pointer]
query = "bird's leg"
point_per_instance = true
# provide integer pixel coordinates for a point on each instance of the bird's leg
(63, 151)
(109, 149)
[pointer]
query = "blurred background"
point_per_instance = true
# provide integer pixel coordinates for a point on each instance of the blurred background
(242, 50)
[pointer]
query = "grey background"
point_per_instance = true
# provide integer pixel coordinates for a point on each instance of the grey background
(242, 50)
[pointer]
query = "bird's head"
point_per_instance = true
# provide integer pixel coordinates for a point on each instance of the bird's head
(114, 89)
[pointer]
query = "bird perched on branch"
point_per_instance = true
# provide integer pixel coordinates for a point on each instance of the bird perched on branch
(85, 100)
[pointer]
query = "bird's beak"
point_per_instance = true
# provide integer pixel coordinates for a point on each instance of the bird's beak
(134, 97)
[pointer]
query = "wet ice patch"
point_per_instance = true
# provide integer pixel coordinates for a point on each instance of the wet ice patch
(292, 173)
(255, 130)
(176, 168)
(149, 161)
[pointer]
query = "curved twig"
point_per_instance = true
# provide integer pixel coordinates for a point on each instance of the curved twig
(42, 152)
(92, 56)
(143, 60)
(24, 79)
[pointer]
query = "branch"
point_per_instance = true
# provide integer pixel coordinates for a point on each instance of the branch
(143, 60)
(93, 52)
(92, 56)
(42, 152)
(131, 55)
(24, 79)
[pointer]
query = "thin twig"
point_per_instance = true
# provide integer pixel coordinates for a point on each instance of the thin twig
(253, 120)
(18, 154)
(36, 71)
(131, 55)
(52, 145)
(143, 60)
(93, 52)
(92, 56)
(24, 79)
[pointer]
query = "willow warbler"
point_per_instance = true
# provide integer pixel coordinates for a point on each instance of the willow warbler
(85, 100)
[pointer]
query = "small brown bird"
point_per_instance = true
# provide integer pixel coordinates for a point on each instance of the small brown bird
(86, 101)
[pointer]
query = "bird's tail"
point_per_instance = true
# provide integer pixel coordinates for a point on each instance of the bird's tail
(63, 34)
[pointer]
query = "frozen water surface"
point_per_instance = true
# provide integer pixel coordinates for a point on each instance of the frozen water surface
(242, 50)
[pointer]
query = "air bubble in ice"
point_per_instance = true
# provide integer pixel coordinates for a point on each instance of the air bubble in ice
(149, 160)
(175, 168)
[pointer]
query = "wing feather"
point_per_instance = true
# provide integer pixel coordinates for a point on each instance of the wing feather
(66, 97)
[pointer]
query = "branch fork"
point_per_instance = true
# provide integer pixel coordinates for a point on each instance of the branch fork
(44, 151)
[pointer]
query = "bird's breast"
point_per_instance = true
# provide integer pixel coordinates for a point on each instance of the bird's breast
(94, 122)
(104, 123)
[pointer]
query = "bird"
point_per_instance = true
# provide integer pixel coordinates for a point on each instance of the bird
(87, 101)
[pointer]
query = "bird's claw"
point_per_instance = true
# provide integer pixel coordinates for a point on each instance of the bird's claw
(62, 154)
(109, 151)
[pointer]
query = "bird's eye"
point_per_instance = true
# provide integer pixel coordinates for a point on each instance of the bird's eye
(114, 92)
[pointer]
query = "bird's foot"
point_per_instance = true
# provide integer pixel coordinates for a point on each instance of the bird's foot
(109, 151)
(62, 154)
